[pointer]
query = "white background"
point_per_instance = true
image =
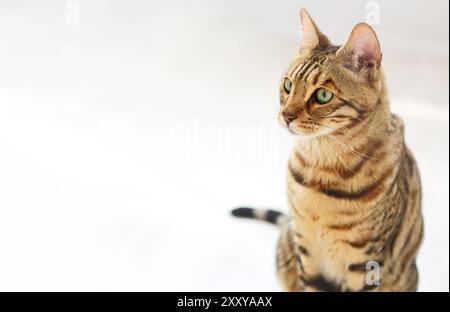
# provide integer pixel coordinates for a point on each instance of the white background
(128, 129)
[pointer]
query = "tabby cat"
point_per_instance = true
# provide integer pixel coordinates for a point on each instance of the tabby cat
(353, 187)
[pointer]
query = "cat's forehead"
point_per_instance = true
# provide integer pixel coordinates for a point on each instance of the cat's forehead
(319, 58)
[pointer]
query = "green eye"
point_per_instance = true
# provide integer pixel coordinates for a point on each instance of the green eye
(287, 85)
(323, 96)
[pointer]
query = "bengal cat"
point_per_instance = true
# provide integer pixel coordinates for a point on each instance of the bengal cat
(353, 187)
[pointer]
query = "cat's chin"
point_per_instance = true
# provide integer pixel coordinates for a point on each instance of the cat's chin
(300, 135)
(306, 136)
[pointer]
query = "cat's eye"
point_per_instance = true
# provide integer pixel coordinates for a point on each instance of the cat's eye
(323, 96)
(287, 85)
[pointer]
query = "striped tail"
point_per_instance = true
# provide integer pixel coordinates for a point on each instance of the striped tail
(271, 216)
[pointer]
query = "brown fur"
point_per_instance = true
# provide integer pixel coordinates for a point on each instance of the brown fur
(353, 186)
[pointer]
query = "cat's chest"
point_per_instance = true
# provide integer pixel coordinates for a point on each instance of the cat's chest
(318, 219)
(314, 206)
(325, 220)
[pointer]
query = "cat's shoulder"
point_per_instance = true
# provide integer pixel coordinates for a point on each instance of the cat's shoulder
(396, 124)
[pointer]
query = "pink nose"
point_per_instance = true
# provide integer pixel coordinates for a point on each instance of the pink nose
(289, 116)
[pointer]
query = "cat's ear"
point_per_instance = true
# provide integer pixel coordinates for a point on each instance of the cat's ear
(362, 50)
(312, 37)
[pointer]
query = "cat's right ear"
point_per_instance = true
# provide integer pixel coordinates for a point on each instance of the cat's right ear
(312, 37)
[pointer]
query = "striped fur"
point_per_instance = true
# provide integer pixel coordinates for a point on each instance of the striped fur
(267, 215)
(353, 186)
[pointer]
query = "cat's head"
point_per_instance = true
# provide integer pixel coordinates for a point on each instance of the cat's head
(329, 89)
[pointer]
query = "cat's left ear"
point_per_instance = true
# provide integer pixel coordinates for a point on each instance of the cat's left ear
(362, 50)
(312, 37)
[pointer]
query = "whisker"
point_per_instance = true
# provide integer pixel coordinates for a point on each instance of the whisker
(362, 121)
(331, 164)
(341, 131)
(346, 146)
(355, 117)
(355, 152)
(337, 156)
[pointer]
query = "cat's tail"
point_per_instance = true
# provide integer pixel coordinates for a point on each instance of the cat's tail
(267, 215)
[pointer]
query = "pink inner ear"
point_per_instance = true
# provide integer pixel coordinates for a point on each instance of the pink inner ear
(364, 43)
(368, 46)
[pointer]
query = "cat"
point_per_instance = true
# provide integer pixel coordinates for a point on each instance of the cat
(354, 190)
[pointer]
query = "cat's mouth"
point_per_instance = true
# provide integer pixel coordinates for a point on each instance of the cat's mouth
(299, 131)
(296, 127)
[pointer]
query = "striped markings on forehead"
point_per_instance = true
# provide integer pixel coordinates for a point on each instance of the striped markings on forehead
(304, 69)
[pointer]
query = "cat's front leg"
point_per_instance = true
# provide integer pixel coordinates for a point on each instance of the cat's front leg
(287, 261)
(296, 269)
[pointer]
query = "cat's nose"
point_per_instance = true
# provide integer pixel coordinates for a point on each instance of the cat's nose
(289, 116)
